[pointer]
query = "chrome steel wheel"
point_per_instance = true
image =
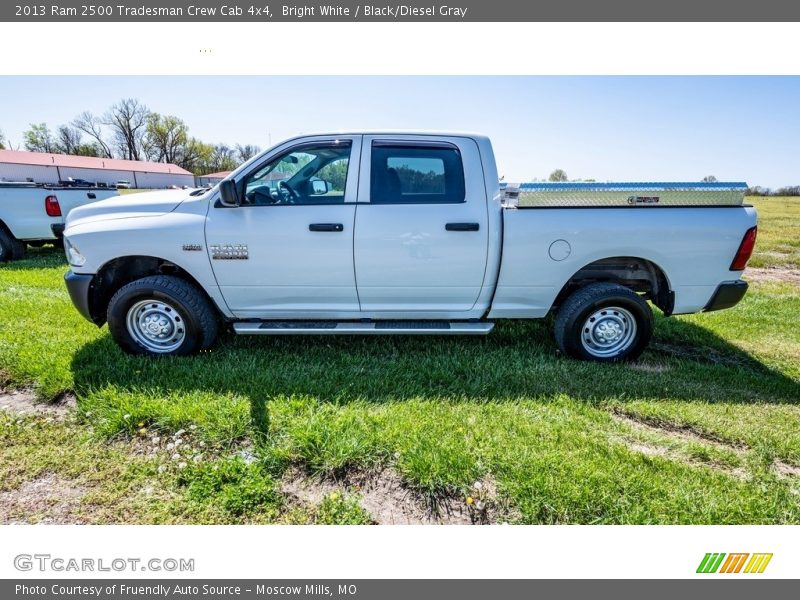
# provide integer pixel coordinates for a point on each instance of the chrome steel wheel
(156, 325)
(608, 331)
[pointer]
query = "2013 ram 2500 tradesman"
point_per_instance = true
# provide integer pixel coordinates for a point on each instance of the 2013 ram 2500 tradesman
(397, 233)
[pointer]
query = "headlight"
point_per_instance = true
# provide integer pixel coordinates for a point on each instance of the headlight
(74, 256)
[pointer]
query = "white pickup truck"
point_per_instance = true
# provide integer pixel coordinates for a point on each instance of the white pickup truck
(34, 214)
(397, 233)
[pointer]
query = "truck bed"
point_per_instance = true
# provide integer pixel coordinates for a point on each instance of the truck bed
(644, 194)
(543, 247)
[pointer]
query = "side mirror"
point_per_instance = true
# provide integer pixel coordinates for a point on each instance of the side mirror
(319, 187)
(229, 196)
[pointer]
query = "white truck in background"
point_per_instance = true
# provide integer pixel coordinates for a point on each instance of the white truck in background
(382, 233)
(34, 214)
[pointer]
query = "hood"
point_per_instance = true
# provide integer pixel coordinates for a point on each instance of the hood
(148, 204)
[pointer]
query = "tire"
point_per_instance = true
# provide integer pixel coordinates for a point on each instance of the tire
(10, 247)
(162, 315)
(603, 322)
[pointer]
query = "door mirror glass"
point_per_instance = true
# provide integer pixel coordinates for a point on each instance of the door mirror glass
(228, 193)
(319, 187)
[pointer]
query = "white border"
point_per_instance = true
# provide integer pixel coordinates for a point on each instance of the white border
(399, 48)
(432, 552)
(403, 49)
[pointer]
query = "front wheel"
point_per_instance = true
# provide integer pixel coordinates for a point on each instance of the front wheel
(604, 322)
(161, 315)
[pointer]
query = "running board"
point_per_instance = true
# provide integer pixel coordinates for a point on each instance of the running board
(362, 328)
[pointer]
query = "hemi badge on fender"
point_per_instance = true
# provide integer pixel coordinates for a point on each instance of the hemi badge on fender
(192, 247)
(229, 251)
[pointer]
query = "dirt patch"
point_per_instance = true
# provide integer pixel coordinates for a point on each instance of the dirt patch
(786, 470)
(773, 275)
(783, 469)
(646, 449)
(45, 499)
(683, 433)
(24, 402)
(673, 430)
(389, 501)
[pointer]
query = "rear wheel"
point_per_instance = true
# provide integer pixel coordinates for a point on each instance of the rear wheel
(604, 322)
(10, 247)
(161, 315)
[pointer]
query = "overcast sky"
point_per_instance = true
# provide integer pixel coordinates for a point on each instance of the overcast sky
(605, 128)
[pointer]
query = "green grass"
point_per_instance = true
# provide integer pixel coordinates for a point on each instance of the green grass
(441, 412)
(778, 232)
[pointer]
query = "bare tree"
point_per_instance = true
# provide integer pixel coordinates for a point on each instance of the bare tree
(68, 139)
(558, 175)
(246, 152)
(127, 120)
(709, 179)
(223, 158)
(93, 127)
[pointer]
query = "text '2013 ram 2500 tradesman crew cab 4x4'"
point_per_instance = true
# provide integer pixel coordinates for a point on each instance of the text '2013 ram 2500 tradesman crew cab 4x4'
(397, 233)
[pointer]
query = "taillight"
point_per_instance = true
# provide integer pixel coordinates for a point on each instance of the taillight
(51, 206)
(745, 250)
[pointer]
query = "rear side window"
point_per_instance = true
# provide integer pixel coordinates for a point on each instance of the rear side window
(416, 174)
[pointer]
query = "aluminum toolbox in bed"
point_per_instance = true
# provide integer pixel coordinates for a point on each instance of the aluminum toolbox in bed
(644, 194)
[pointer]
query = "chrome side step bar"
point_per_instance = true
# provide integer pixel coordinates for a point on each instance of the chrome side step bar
(362, 328)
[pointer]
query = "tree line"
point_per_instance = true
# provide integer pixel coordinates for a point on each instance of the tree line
(130, 130)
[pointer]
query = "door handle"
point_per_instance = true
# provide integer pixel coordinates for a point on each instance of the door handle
(326, 227)
(462, 227)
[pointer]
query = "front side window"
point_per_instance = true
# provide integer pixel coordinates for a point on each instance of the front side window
(314, 173)
(408, 174)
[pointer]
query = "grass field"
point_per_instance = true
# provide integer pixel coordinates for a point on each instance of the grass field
(705, 428)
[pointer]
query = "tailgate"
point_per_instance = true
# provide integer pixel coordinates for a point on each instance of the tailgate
(644, 194)
(69, 198)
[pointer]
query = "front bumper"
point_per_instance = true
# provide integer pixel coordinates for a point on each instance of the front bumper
(727, 294)
(79, 287)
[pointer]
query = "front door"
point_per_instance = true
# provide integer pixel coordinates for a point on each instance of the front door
(421, 233)
(287, 251)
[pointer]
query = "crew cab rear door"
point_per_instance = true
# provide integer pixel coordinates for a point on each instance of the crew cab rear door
(421, 232)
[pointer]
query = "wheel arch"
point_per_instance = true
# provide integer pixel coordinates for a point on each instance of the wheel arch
(122, 270)
(642, 275)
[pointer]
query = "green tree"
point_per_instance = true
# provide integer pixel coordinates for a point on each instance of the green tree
(558, 175)
(709, 179)
(197, 157)
(39, 138)
(166, 138)
(2, 140)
